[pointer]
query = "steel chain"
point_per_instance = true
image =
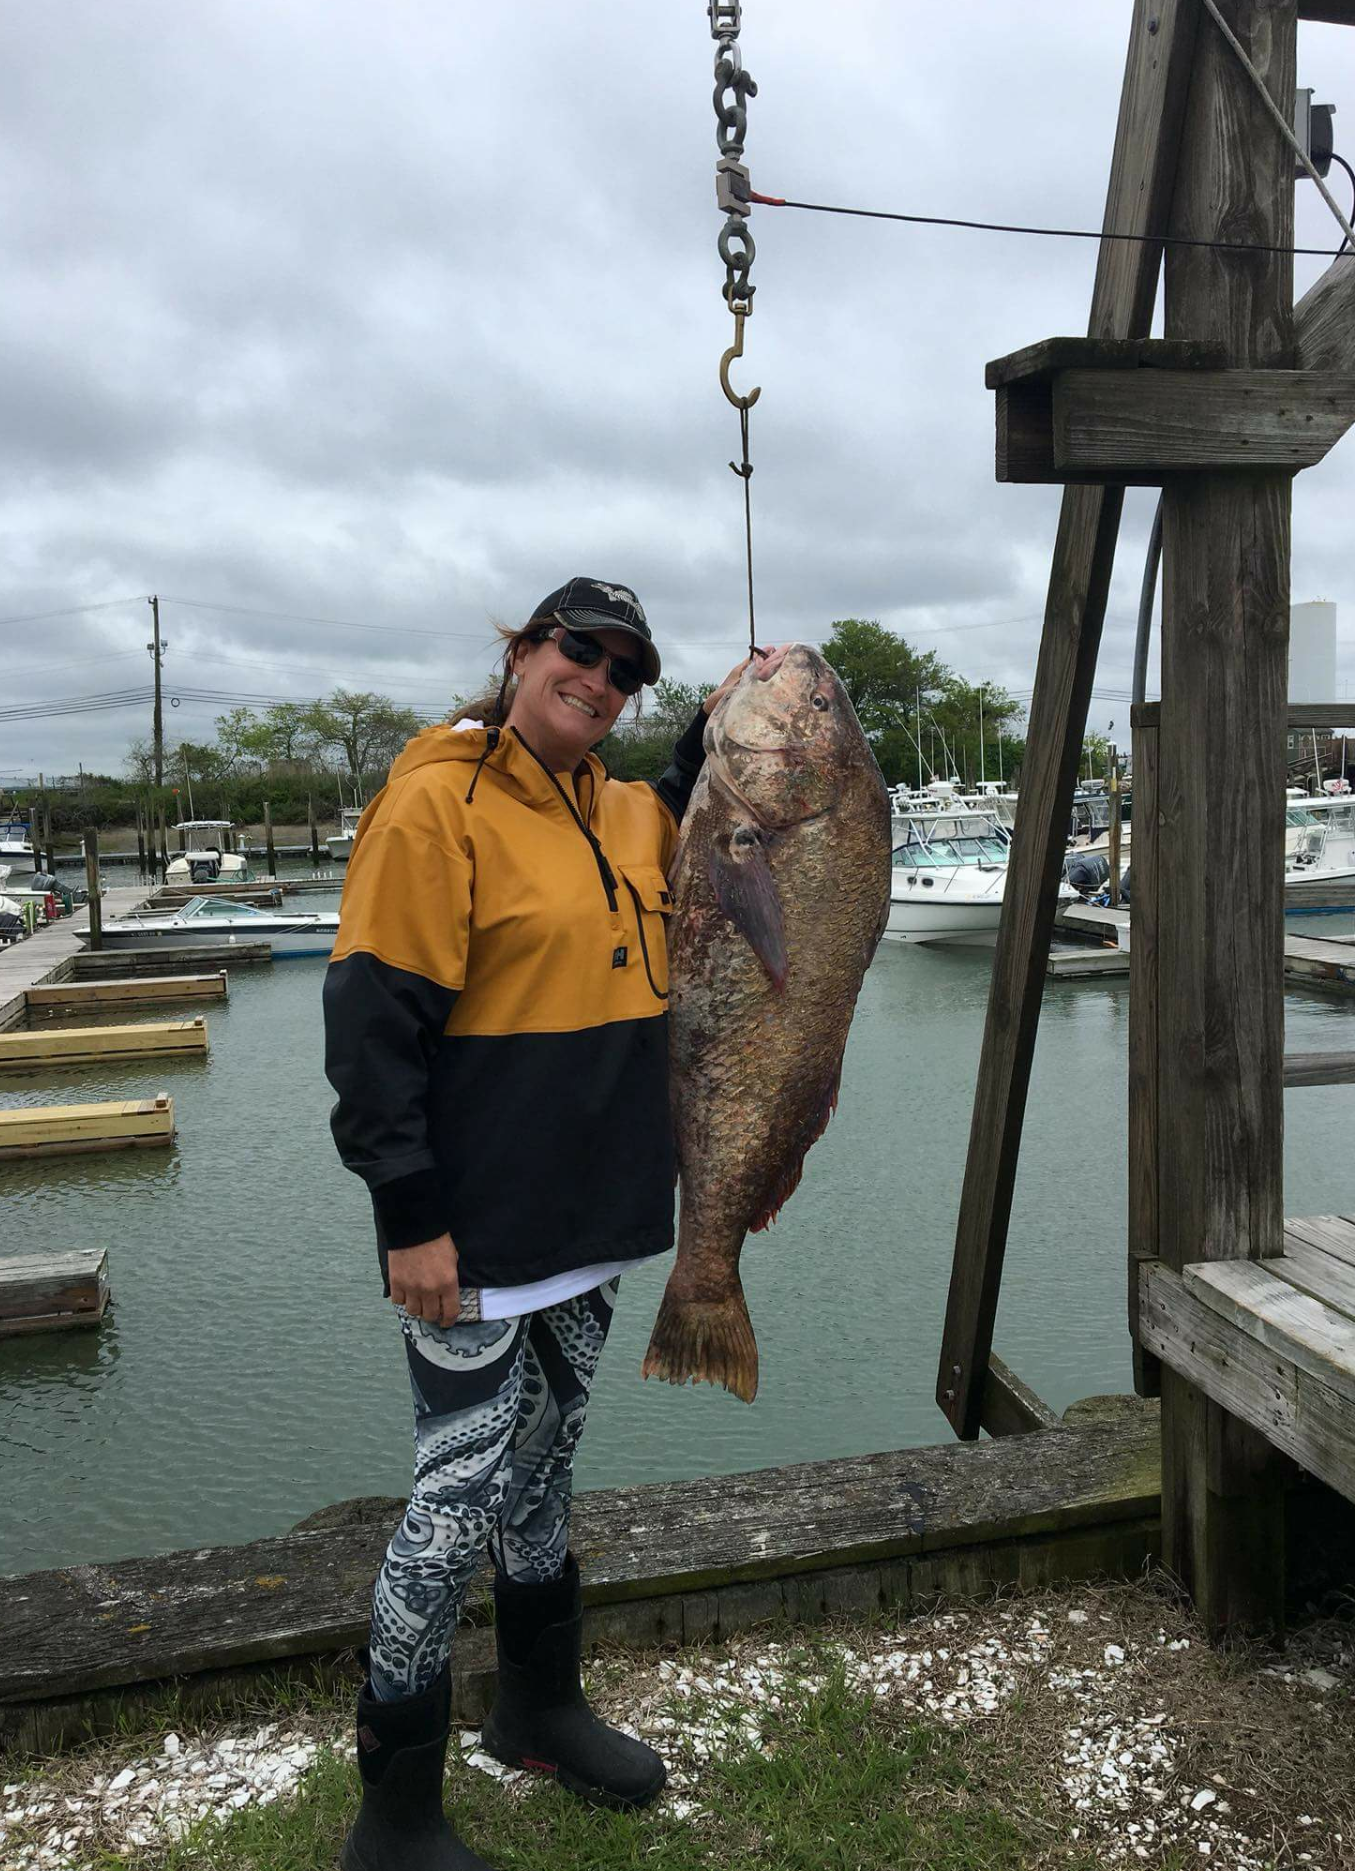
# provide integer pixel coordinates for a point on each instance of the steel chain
(733, 87)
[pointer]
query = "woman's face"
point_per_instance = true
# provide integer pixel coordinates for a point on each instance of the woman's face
(560, 709)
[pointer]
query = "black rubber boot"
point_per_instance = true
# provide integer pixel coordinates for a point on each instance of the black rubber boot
(402, 1749)
(540, 1718)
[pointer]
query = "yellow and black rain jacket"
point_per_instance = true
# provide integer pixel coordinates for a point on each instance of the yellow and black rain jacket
(495, 1009)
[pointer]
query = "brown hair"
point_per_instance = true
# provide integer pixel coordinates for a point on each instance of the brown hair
(492, 706)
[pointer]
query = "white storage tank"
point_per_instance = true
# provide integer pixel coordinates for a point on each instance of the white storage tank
(1312, 652)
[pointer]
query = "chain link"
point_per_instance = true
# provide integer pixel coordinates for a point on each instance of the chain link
(733, 87)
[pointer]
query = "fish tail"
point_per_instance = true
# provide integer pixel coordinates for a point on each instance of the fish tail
(708, 1341)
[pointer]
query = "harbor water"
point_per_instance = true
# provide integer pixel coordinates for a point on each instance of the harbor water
(249, 1371)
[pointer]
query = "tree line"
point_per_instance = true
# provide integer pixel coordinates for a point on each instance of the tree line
(921, 718)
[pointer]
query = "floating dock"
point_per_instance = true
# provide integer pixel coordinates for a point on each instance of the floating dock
(53, 1292)
(1309, 961)
(102, 1045)
(119, 963)
(73, 1129)
(57, 997)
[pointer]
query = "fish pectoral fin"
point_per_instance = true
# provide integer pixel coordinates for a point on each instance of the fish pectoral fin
(746, 891)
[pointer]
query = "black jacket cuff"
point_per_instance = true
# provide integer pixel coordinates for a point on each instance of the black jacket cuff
(410, 1209)
(691, 750)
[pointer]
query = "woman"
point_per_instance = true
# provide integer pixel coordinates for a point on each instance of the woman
(496, 1034)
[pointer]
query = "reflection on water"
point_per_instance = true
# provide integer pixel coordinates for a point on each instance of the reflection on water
(249, 1370)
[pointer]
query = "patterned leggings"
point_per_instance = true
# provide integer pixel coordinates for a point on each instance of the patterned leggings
(498, 1412)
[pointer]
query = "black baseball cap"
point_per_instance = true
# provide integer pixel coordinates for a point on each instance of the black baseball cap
(587, 605)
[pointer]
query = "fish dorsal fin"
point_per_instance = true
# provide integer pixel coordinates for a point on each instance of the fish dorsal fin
(746, 891)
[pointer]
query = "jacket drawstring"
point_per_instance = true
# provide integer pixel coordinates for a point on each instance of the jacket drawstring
(491, 742)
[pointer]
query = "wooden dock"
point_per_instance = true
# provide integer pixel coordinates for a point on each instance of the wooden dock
(73, 1129)
(1309, 961)
(47, 952)
(112, 964)
(103, 1045)
(41, 1292)
(60, 997)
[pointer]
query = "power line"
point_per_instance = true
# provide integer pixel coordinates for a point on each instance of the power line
(71, 610)
(1052, 233)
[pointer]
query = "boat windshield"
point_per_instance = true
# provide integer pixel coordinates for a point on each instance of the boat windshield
(220, 907)
(931, 853)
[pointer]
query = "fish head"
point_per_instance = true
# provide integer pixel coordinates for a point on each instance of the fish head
(781, 743)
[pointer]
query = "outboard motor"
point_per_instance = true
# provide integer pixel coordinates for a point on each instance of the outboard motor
(44, 882)
(1124, 888)
(204, 870)
(1087, 873)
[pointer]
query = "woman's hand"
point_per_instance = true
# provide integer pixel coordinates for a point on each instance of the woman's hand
(424, 1281)
(767, 661)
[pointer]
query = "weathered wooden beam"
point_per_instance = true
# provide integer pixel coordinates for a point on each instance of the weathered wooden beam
(1324, 321)
(87, 1627)
(1319, 1068)
(131, 961)
(1143, 1046)
(1010, 1406)
(1144, 426)
(1143, 171)
(49, 1292)
(1329, 12)
(1295, 1326)
(1290, 1408)
(1224, 682)
(1038, 363)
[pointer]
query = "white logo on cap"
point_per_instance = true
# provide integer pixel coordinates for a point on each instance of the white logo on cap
(619, 595)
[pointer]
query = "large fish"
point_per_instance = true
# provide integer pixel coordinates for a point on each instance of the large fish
(781, 886)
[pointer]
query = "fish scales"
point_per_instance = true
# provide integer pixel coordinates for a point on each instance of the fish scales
(781, 887)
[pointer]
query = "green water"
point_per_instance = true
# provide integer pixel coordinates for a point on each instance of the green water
(249, 1370)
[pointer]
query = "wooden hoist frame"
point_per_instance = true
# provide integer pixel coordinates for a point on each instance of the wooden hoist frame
(1244, 390)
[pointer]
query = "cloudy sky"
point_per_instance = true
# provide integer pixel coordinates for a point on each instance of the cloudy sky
(349, 329)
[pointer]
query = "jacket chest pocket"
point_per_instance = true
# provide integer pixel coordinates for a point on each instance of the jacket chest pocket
(652, 901)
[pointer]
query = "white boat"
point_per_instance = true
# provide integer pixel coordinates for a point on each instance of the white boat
(1319, 841)
(341, 842)
(949, 874)
(205, 859)
(217, 920)
(16, 847)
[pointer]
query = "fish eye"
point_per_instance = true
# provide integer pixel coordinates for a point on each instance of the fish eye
(820, 701)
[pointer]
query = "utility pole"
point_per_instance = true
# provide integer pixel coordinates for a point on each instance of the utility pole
(157, 650)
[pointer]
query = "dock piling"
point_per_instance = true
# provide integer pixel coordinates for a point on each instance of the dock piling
(268, 839)
(96, 921)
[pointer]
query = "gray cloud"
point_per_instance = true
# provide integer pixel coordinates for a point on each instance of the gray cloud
(400, 317)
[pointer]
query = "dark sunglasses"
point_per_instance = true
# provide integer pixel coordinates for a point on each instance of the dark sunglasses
(622, 673)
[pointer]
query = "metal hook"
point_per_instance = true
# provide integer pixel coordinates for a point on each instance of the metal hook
(736, 350)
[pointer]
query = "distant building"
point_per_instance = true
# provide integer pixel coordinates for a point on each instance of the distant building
(1312, 670)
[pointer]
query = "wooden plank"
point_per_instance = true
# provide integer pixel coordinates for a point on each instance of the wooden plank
(1291, 1324)
(1324, 320)
(51, 996)
(58, 1130)
(1290, 1408)
(1011, 1407)
(1085, 964)
(1145, 426)
(88, 1045)
(1319, 1068)
(1035, 363)
(1143, 171)
(73, 1280)
(1143, 1048)
(86, 1627)
(1332, 1234)
(1319, 714)
(1024, 415)
(1322, 1277)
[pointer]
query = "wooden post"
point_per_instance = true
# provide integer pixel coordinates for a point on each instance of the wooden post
(314, 829)
(1143, 1170)
(268, 839)
(96, 917)
(1114, 830)
(164, 841)
(140, 844)
(1220, 933)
